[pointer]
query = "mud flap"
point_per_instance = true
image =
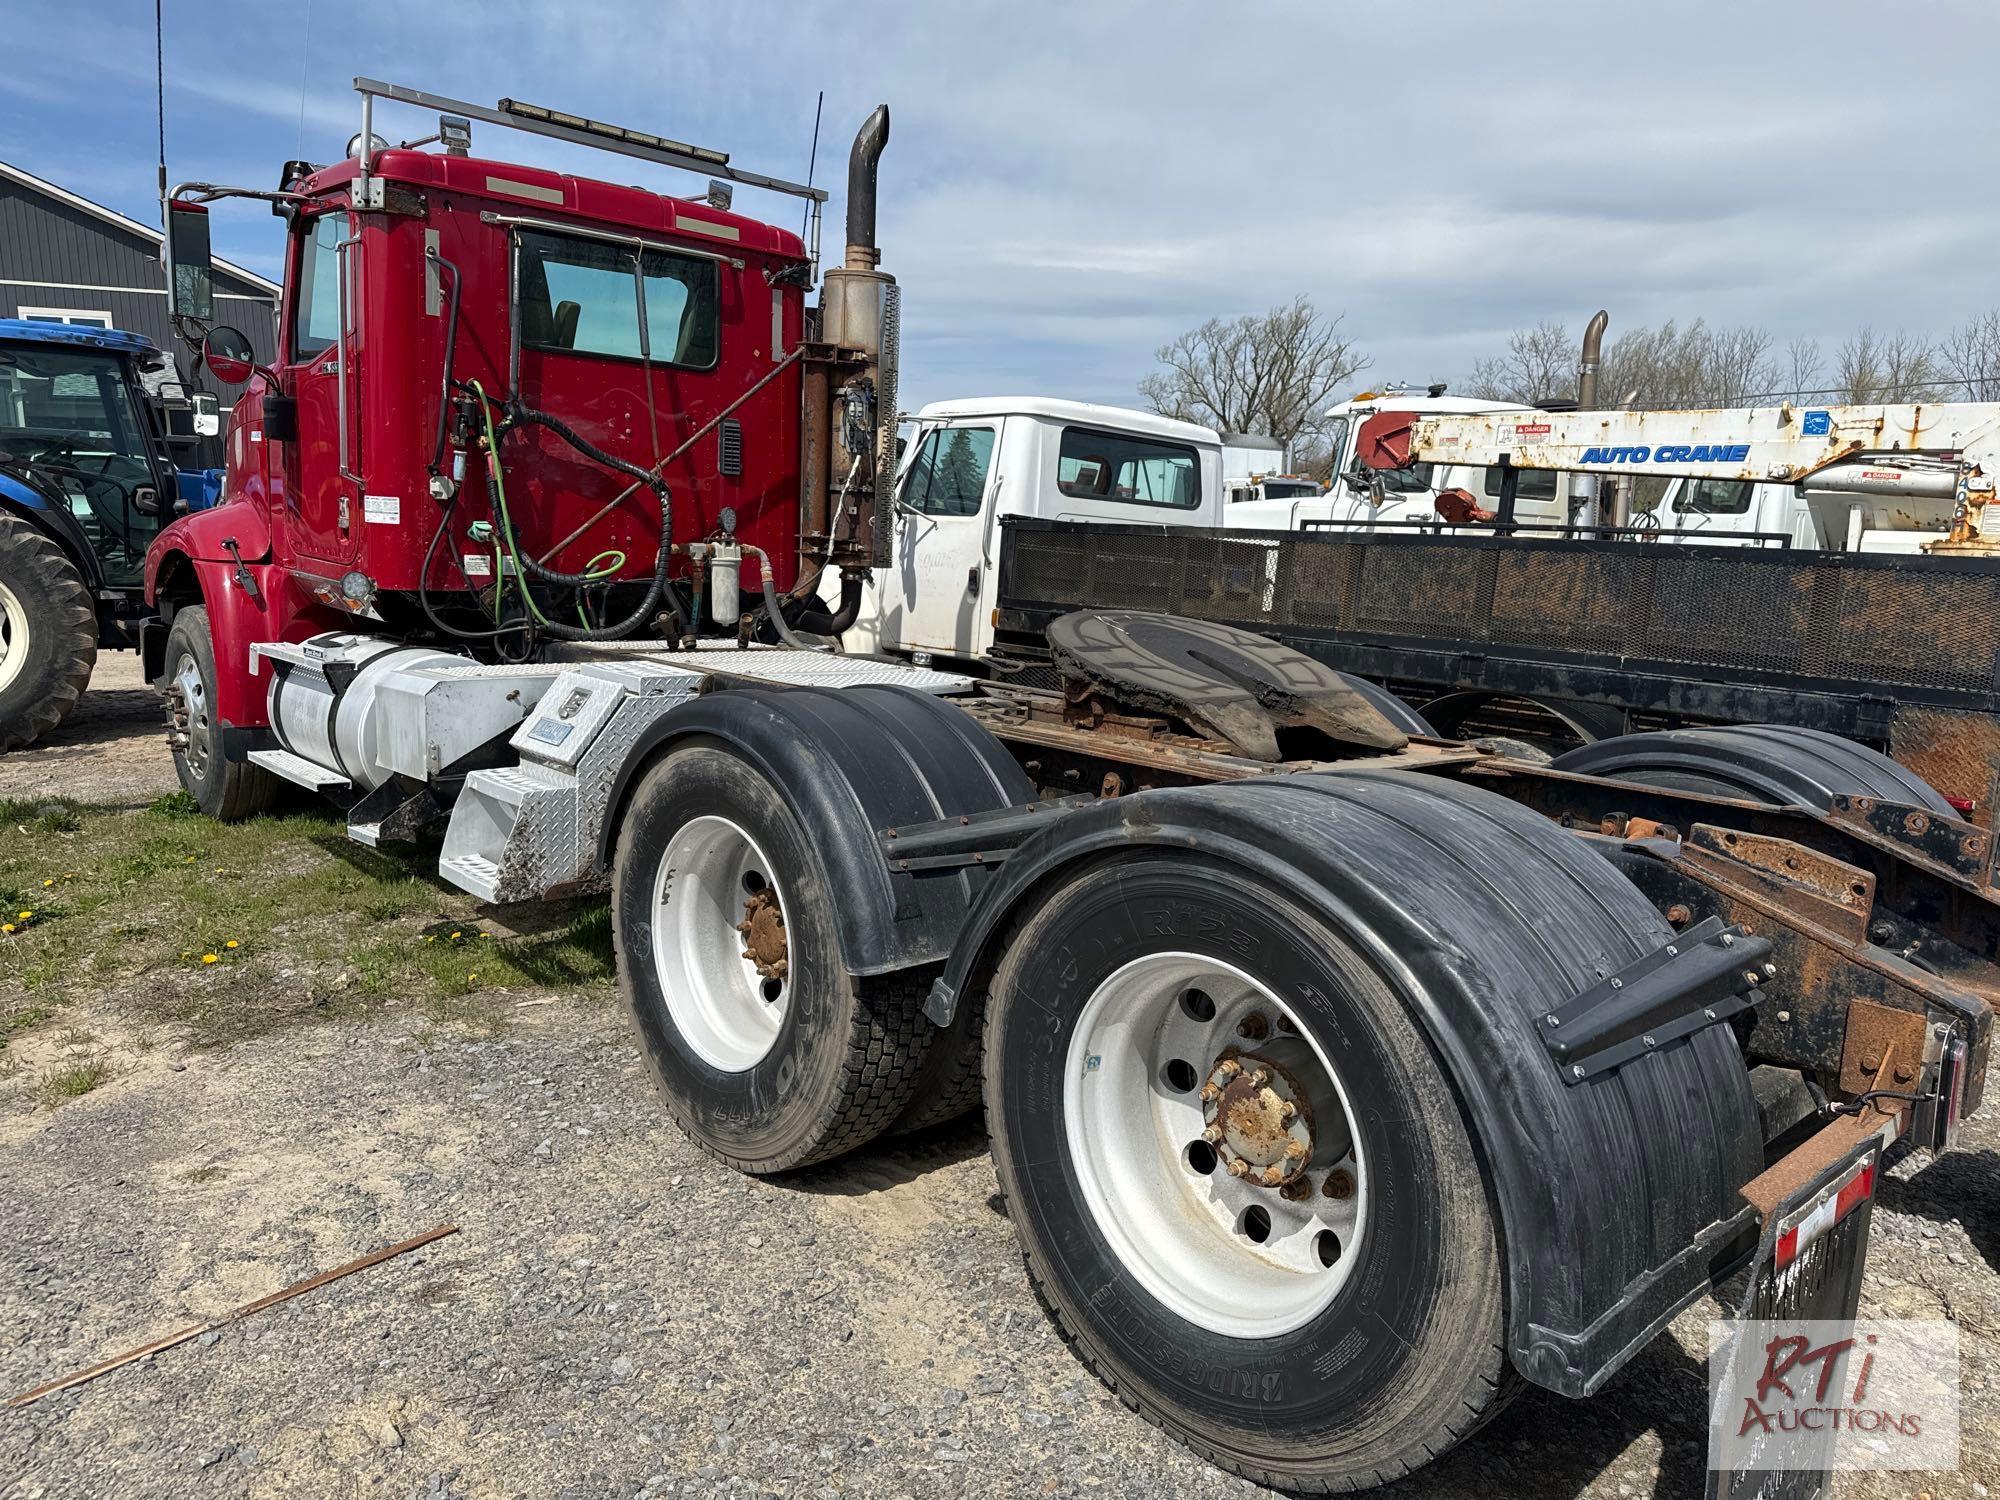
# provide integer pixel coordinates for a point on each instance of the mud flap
(1809, 1264)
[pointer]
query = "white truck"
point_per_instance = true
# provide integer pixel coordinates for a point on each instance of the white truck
(1886, 509)
(1255, 467)
(969, 462)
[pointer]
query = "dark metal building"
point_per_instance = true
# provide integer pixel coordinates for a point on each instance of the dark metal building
(66, 259)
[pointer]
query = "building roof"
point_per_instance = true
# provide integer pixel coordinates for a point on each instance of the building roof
(12, 173)
(16, 330)
(1085, 412)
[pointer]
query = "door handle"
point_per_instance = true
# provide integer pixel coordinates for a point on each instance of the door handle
(972, 579)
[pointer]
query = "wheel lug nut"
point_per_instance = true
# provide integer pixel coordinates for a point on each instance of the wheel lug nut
(1259, 1078)
(1229, 1067)
(1339, 1183)
(1253, 1027)
(1273, 1175)
(1297, 1188)
(1296, 1150)
(1238, 1167)
(1213, 1135)
(1288, 1111)
(1210, 1093)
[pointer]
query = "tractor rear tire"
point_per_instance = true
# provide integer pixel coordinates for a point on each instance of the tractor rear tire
(769, 1054)
(1780, 765)
(228, 791)
(48, 634)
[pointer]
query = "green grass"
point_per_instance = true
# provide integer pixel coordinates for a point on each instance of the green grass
(126, 905)
(71, 1079)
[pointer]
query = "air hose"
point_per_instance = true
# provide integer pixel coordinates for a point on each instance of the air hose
(520, 414)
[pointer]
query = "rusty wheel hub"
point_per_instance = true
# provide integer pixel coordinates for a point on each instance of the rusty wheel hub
(1257, 1119)
(763, 930)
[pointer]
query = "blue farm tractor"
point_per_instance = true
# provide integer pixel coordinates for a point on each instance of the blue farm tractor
(89, 421)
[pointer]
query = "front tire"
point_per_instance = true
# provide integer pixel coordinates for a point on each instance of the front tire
(773, 1060)
(226, 790)
(1327, 1340)
(48, 634)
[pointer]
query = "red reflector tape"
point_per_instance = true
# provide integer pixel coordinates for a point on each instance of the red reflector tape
(1815, 1219)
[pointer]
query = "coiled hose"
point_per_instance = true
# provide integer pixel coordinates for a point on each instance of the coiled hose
(520, 414)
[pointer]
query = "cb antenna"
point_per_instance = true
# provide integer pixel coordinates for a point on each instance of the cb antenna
(812, 161)
(160, 93)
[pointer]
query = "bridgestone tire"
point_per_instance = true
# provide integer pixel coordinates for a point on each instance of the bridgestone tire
(1409, 1356)
(1777, 764)
(848, 1053)
(50, 626)
(228, 791)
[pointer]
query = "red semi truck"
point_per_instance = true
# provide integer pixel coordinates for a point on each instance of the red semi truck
(1341, 1077)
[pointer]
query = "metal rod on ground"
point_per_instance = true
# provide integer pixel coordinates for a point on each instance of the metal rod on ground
(660, 467)
(373, 1258)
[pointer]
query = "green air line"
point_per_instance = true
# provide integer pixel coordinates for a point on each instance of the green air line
(612, 560)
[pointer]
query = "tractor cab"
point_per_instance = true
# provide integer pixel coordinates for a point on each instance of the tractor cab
(87, 420)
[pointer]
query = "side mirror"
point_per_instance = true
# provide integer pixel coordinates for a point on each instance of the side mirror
(228, 355)
(207, 414)
(190, 272)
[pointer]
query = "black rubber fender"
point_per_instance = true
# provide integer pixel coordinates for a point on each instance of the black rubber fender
(1781, 765)
(1617, 1196)
(850, 763)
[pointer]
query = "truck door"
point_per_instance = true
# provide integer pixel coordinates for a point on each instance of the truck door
(324, 508)
(941, 526)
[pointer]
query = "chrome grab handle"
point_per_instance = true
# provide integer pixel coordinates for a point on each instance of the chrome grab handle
(341, 275)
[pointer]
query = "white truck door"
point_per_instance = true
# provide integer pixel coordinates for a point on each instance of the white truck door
(933, 591)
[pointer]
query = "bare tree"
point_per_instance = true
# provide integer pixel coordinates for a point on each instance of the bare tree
(1802, 371)
(1273, 374)
(1539, 365)
(1970, 356)
(1891, 369)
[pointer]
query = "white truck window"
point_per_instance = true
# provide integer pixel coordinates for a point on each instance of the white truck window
(1713, 497)
(1534, 484)
(1092, 465)
(948, 475)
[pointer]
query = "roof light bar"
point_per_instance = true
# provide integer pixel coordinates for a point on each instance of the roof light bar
(578, 130)
(545, 116)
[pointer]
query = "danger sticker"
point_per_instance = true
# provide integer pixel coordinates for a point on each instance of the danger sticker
(382, 510)
(478, 565)
(1531, 429)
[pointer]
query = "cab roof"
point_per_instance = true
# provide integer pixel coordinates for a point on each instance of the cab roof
(539, 192)
(1085, 413)
(1422, 403)
(30, 330)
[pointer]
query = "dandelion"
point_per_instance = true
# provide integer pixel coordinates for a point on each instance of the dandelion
(218, 869)
(232, 943)
(6, 927)
(473, 975)
(208, 958)
(456, 935)
(48, 884)
(24, 916)
(190, 859)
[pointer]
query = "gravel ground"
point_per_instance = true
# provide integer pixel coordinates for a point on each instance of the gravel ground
(111, 750)
(618, 1316)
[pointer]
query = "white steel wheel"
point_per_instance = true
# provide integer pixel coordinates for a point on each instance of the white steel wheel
(720, 948)
(13, 636)
(1214, 1144)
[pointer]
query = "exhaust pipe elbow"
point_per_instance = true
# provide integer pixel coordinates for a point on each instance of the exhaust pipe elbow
(862, 162)
(1591, 361)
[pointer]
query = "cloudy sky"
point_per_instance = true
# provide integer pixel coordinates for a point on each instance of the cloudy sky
(1068, 186)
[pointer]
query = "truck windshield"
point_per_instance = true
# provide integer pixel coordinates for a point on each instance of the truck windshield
(69, 423)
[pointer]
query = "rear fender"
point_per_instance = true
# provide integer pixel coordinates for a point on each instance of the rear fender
(850, 763)
(1618, 1197)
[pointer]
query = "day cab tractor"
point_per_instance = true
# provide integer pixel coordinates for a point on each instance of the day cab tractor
(1341, 1078)
(88, 418)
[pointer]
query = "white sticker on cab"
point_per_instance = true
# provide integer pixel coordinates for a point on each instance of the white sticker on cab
(382, 510)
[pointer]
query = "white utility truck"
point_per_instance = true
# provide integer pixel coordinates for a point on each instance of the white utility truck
(972, 461)
(1904, 478)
